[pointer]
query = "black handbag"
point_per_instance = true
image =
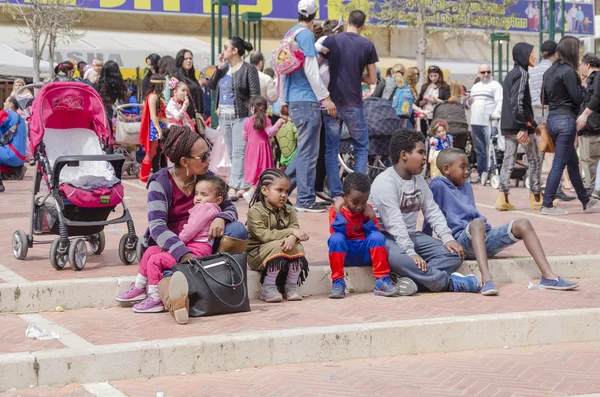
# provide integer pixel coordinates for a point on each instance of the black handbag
(217, 284)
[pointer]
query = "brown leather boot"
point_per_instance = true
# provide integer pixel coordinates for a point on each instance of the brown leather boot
(173, 293)
(533, 203)
(232, 245)
(502, 203)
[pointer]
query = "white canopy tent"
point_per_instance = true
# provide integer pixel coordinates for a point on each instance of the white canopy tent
(15, 64)
(128, 49)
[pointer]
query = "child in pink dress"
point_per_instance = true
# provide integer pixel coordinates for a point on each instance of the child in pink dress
(257, 132)
(179, 102)
(210, 192)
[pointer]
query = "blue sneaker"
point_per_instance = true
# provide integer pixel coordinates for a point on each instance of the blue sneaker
(559, 284)
(489, 288)
(462, 283)
(338, 289)
(384, 286)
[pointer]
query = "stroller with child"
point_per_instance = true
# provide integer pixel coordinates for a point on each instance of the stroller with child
(82, 185)
(127, 124)
(520, 171)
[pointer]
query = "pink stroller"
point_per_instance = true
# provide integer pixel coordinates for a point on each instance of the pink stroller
(82, 183)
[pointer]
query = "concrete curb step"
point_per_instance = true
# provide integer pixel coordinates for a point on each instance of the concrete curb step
(101, 292)
(302, 345)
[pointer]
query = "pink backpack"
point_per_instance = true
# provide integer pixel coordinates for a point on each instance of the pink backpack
(288, 57)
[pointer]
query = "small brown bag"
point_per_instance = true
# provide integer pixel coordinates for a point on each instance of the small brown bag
(545, 143)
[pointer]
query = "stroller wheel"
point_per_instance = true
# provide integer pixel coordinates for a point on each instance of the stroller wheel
(495, 181)
(97, 243)
(128, 249)
(77, 254)
(59, 256)
(20, 244)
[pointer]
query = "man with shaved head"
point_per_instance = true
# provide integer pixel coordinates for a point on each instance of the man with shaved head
(486, 105)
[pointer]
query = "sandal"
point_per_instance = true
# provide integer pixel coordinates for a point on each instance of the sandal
(233, 195)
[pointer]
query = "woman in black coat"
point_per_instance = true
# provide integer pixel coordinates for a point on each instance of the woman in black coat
(235, 82)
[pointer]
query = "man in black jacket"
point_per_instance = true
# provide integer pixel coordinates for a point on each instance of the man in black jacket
(588, 123)
(518, 127)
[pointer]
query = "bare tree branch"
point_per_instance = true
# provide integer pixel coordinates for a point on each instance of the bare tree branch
(46, 22)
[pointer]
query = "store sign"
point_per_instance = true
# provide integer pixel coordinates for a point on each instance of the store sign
(525, 16)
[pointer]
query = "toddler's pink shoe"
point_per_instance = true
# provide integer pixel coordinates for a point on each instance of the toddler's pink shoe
(133, 294)
(149, 305)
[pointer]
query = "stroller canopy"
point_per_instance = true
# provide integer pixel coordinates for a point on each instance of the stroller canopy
(67, 105)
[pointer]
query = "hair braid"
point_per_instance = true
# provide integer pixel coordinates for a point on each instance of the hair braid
(267, 178)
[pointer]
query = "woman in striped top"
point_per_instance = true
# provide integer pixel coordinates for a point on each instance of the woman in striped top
(170, 197)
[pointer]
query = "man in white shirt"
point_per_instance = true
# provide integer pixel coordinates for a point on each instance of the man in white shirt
(268, 88)
(486, 105)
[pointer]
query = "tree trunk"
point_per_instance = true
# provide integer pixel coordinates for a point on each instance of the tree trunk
(421, 48)
(51, 48)
(36, 59)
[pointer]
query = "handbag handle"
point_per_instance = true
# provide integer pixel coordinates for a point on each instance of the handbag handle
(205, 272)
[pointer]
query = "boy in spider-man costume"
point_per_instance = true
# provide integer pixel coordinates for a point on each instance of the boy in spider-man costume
(356, 240)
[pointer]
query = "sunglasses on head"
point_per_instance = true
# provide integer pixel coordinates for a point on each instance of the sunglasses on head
(433, 69)
(203, 157)
(485, 72)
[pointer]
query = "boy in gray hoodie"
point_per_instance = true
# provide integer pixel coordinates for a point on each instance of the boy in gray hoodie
(454, 195)
(397, 195)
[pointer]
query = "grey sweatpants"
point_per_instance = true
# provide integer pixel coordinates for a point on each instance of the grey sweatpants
(440, 262)
(534, 162)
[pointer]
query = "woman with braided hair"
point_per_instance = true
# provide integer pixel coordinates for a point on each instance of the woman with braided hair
(274, 247)
(170, 198)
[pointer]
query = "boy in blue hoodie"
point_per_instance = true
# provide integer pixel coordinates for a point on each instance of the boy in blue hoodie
(454, 195)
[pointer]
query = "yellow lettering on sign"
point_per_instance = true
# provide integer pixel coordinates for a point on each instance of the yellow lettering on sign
(168, 5)
(265, 7)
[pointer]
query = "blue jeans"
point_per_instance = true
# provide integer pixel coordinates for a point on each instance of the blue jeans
(496, 239)
(302, 169)
(354, 119)
(233, 129)
(440, 262)
(562, 129)
(481, 142)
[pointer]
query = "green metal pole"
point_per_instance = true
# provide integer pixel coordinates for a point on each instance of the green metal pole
(562, 17)
(493, 61)
(541, 27)
(552, 20)
(507, 47)
(237, 18)
(255, 28)
(260, 35)
(220, 27)
(500, 62)
(212, 36)
(229, 22)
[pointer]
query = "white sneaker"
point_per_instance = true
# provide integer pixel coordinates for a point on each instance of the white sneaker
(484, 178)
(249, 194)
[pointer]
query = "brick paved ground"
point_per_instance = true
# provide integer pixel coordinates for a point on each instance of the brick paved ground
(16, 202)
(535, 371)
(101, 326)
(571, 369)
